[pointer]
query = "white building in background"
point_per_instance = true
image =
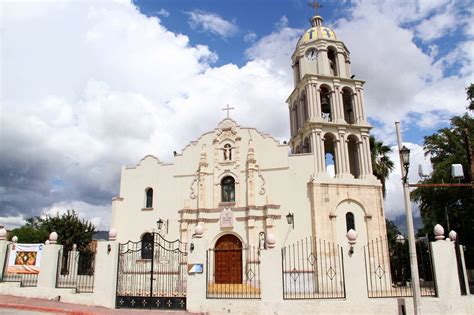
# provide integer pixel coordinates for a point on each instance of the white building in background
(237, 180)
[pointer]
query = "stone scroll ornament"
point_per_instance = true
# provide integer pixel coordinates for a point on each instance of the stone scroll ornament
(262, 188)
(192, 195)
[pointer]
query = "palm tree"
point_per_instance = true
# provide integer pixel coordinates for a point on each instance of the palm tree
(381, 163)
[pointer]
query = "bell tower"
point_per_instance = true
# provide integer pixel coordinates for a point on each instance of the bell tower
(326, 107)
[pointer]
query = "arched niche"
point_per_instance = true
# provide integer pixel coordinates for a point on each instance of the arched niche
(354, 155)
(352, 207)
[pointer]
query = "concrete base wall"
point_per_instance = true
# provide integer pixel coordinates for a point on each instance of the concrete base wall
(449, 299)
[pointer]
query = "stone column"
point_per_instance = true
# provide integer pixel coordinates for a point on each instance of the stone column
(337, 104)
(361, 100)
(445, 269)
(360, 157)
(3, 252)
(309, 101)
(105, 273)
(49, 264)
(341, 62)
(356, 108)
(333, 106)
(343, 154)
(367, 156)
(318, 103)
(196, 283)
(338, 157)
(271, 289)
(323, 61)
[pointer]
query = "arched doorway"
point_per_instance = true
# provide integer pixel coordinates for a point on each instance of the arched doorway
(228, 259)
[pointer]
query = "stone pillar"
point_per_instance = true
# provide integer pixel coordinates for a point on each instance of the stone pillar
(323, 61)
(356, 108)
(333, 106)
(270, 262)
(105, 273)
(355, 274)
(338, 155)
(361, 100)
(49, 265)
(445, 269)
(318, 113)
(367, 157)
(341, 62)
(360, 158)
(3, 252)
(196, 283)
(339, 118)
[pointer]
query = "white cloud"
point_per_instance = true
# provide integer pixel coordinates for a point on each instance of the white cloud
(10, 222)
(163, 12)
(213, 23)
(250, 37)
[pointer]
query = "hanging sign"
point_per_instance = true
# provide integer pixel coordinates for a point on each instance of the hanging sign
(25, 258)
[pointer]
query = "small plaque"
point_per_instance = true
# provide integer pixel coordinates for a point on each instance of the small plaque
(227, 218)
(195, 268)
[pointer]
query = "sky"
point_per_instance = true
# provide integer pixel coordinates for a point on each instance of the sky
(89, 86)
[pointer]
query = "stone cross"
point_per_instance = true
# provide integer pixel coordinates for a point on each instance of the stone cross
(228, 109)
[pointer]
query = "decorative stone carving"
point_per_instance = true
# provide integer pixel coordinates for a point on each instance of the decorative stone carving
(53, 237)
(198, 231)
(438, 232)
(271, 240)
(192, 195)
(227, 218)
(112, 234)
(262, 188)
(453, 235)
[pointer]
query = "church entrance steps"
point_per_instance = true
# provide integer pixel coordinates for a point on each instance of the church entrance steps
(236, 290)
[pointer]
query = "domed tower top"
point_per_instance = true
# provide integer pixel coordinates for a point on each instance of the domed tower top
(320, 52)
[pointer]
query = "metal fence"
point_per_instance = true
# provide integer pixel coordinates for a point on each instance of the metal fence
(313, 269)
(388, 268)
(75, 270)
(25, 279)
(233, 273)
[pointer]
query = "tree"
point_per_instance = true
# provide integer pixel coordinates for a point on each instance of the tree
(381, 163)
(470, 96)
(70, 228)
(438, 205)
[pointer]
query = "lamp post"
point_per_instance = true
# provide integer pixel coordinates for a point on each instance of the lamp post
(405, 165)
(290, 218)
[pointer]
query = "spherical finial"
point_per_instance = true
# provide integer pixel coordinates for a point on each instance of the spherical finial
(271, 240)
(3, 234)
(400, 239)
(112, 234)
(47, 242)
(351, 236)
(199, 230)
(453, 235)
(53, 237)
(438, 232)
(15, 239)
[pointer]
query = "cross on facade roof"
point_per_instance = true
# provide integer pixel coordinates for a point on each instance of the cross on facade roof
(228, 109)
(315, 5)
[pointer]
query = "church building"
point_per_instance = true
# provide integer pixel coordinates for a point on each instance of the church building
(235, 182)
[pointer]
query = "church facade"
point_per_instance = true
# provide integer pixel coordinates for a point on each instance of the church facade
(235, 182)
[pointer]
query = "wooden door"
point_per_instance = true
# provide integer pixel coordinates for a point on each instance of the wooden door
(228, 259)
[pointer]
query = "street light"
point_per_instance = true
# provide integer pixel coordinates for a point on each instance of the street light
(160, 224)
(290, 218)
(405, 165)
(405, 159)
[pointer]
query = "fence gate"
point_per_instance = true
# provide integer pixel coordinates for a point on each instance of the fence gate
(152, 274)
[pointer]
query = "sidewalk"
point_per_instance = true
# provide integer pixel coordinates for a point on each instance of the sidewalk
(9, 303)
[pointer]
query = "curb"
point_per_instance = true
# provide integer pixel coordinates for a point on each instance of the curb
(43, 309)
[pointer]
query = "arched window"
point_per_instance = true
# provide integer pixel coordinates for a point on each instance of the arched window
(353, 150)
(332, 55)
(330, 154)
(348, 106)
(228, 189)
(147, 246)
(350, 222)
(149, 198)
(325, 97)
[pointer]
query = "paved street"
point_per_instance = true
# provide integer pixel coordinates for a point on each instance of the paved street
(29, 306)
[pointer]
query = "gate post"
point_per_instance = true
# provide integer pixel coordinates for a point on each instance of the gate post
(196, 287)
(3, 253)
(445, 268)
(271, 285)
(49, 266)
(105, 273)
(355, 273)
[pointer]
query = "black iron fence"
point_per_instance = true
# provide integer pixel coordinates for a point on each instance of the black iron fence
(313, 269)
(152, 274)
(233, 273)
(27, 279)
(76, 270)
(388, 268)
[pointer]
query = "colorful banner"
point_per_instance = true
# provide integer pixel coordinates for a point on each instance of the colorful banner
(25, 258)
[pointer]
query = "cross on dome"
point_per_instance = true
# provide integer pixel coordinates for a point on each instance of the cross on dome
(228, 109)
(315, 5)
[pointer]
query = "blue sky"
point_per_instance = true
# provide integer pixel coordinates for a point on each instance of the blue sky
(89, 86)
